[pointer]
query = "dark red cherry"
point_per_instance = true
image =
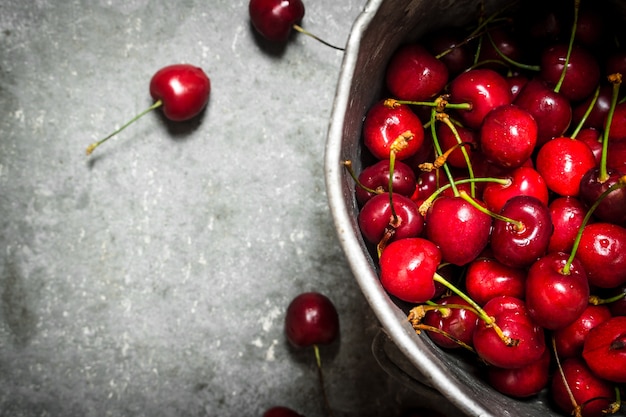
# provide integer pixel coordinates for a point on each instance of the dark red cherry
(484, 89)
(274, 19)
(516, 84)
(618, 307)
(311, 319)
(616, 157)
(569, 340)
(612, 208)
(554, 299)
(567, 214)
(602, 251)
(562, 162)
(447, 140)
(280, 411)
(511, 316)
(458, 323)
(508, 136)
(414, 74)
(459, 229)
(551, 110)
(384, 124)
(592, 394)
(486, 278)
(617, 131)
(448, 44)
(582, 75)
(376, 217)
(376, 177)
(592, 137)
(597, 118)
(523, 382)
(521, 244)
(604, 350)
(407, 268)
(499, 41)
(523, 181)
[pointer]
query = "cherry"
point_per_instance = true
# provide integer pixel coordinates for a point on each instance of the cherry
(376, 177)
(484, 89)
(602, 252)
(407, 268)
(522, 382)
(274, 19)
(567, 214)
(486, 278)
(516, 84)
(182, 90)
(521, 242)
(447, 140)
(280, 411)
(413, 73)
(459, 229)
(597, 116)
(569, 340)
(376, 218)
(390, 127)
(499, 41)
(612, 207)
(604, 349)
(562, 162)
(593, 139)
(511, 315)
(617, 129)
(455, 323)
(616, 157)
(450, 46)
(508, 136)
(555, 299)
(578, 388)
(311, 319)
(522, 181)
(582, 74)
(551, 110)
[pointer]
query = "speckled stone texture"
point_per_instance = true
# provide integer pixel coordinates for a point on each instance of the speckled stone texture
(150, 279)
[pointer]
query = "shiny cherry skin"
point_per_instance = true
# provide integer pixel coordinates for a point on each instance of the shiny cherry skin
(612, 208)
(617, 131)
(384, 124)
(274, 19)
(184, 90)
(484, 89)
(280, 411)
(570, 339)
(512, 317)
(407, 268)
(567, 214)
(376, 177)
(414, 74)
(602, 251)
(447, 140)
(592, 137)
(604, 350)
(523, 382)
(562, 162)
(376, 217)
(311, 319)
(592, 393)
(524, 180)
(486, 278)
(521, 246)
(459, 323)
(508, 136)
(459, 229)
(555, 299)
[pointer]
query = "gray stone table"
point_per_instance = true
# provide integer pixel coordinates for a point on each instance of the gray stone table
(151, 278)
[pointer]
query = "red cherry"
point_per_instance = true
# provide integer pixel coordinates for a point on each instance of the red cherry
(567, 214)
(555, 299)
(458, 323)
(459, 229)
(487, 278)
(274, 19)
(597, 118)
(447, 140)
(522, 382)
(407, 268)
(376, 177)
(602, 251)
(604, 350)
(511, 315)
(593, 139)
(184, 90)
(617, 131)
(414, 74)
(484, 89)
(562, 162)
(384, 124)
(447, 44)
(508, 136)
(612, 208)
(592, 394)
(280, 411)
(523, 181)
(616, 157)
(311, 319)
(569, 340)
(376, 217)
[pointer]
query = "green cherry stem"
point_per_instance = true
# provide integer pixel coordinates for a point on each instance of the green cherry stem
(348, 165)
(318, 362)
(570, 47)
(455, 132)
(433, 129)
(94, 145)
(300, 29)
(592, 103)
(429, 201)
(518, 225)
(616, 81)
(621, 182)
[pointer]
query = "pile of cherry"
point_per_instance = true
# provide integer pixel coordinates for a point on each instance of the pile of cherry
(493, 196)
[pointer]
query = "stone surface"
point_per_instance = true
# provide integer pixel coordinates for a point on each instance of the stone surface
(150, 279)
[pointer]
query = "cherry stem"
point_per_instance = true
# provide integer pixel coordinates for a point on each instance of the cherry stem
(429, 201)
(482, 314)
(460, 143)
(348, 165)
(621, 182)
(440, 103)
(616, 81)
(592, 104)
(94, 145)
(428, 328)
(510, 61)
(519, 226)
(307, 33)
(318, 361)
(596, 301)
(433, 116)
(565, 383)
(570, 47)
